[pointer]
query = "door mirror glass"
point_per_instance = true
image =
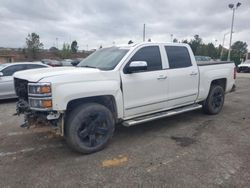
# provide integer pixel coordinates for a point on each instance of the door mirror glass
(137, 66)
(1, 74)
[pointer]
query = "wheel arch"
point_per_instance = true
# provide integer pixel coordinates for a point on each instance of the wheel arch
(105, 100)
(221, 82)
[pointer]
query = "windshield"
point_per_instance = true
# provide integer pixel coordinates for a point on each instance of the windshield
(104, 59)
(2, 66)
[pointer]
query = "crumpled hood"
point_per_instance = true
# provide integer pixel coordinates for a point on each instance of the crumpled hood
(35, 75)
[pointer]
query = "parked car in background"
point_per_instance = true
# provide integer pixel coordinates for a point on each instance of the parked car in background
(76, 61)
(6, 79)
(50, 62)
(245, 66)
(71, 62)
(203, 58)
(67, 62)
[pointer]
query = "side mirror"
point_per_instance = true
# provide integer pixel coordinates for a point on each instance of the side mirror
(1, 74)
(137, 66)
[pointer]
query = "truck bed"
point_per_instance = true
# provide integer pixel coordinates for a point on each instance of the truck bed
(219, 70)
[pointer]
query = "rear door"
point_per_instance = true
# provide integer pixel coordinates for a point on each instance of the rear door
(145, 92)
(183, 76)
(6, 81)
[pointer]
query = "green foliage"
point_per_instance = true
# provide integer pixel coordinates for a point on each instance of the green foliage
(74, 46)
(33, 45)
(66, 51)
(185, 41)
(207, 50)
(238, 53)
(239, 49)
(195, 43)
(175, 40)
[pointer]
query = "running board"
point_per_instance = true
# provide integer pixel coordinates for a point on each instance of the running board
(160, 115)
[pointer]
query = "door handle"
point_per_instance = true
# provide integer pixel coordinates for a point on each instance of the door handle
(193, 73)
(162, 77)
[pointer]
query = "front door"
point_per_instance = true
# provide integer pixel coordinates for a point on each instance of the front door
(145, 91)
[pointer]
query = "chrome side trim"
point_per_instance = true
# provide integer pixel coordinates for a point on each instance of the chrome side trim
(160, 115)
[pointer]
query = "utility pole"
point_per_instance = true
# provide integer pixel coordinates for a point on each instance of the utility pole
(144, 32)
(231, 6)
(57, 43)
(223, 42)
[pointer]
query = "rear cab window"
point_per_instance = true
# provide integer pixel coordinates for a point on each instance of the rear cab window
(178, 57)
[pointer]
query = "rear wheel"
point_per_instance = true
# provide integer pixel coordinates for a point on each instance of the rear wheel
(215, 100)
(89, 128)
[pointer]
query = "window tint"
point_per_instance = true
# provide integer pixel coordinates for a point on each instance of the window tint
(9, 71)
(150, 54)
(35, 66)
(178, 57)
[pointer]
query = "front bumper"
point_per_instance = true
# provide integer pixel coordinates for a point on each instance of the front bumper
(32, 117)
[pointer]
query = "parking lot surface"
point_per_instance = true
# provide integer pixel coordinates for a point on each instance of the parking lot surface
(188, 150)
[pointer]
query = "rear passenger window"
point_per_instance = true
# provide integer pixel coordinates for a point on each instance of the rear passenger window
(150, 54)
(178, 57)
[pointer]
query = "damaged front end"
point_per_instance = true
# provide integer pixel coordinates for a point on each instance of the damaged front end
(35, 103)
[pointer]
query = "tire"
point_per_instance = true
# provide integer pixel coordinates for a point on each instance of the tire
(89, 128)
(215, 100)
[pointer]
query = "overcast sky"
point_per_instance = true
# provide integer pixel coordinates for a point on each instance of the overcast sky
(103, 22)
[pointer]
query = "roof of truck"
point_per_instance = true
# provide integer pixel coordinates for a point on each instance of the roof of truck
(133, 45)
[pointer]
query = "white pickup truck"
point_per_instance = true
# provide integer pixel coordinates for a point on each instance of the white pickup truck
(127, 85)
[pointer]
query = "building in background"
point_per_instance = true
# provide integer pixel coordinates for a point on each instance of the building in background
(7, 58)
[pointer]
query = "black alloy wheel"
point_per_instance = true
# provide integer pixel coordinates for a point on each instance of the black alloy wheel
(215, 100)
(89, 128)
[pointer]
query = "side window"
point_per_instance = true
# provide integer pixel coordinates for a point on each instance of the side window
(178, 57)
(9, 71)
(150, 54)
(35, 66)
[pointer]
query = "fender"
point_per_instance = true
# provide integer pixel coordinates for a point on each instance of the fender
(70, 91)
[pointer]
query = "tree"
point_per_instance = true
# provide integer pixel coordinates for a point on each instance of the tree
(239, 50)
(74, 46)
(175, 40)
(130, 42)
(185, 41)
(195, 43)
(66, 52)
(53, 49)
(33, 45)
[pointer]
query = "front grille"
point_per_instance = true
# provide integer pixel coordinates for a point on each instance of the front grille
(21, 88)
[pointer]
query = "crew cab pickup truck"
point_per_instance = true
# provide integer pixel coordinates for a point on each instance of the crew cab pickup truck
(126, 85)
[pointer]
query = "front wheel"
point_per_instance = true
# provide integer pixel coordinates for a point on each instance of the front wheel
(89, 128)
(215, 100)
